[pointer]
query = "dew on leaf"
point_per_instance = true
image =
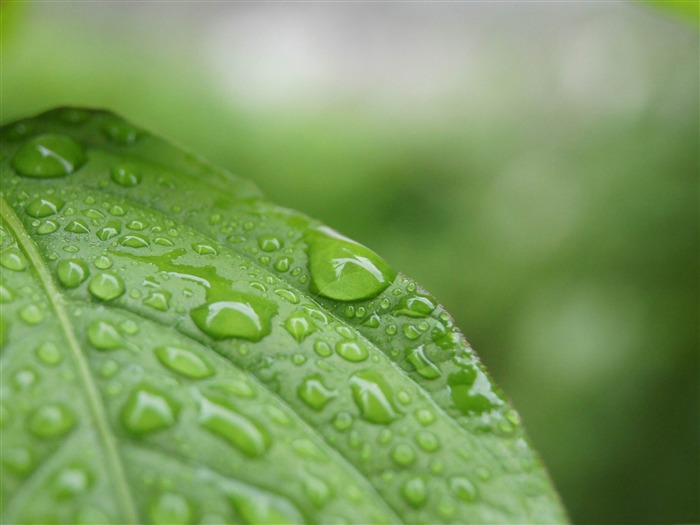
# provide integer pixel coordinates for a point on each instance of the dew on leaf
(255, 506)
(112, 229)
(121, 132)
(104, 335)
(136, 225)
(148, 410)
(288, 295)
(314, 393)
(373, 397)
(46, 227)
(158, 300)
(403, 455)
(300, 326)
(24, 378)
(322, 348)
(106, 286)
(51, 421)
(352, 351)
(49, 155)
(241, 315)
(31, 314)
(343, 270)
(427, 441)
(20, 460)
(184, 362)
(246, 435)
(269, 243)
(424, 366)
(282, 264)
(77, 226)
(463, 488)
(126, 175)
(71, 481)
(44, 207)
(414, 492)
(134, 240)
(13, 259)
(204, 249)
(6, 294)
(170, 508)
(103, 262)
(72, 272)
(48, 353)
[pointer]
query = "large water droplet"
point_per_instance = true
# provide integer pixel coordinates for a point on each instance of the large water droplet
(106, 286)
(269, 243)
(222, 419)
(50, 155)
(352, 351)
(170, 509)
(300, 326)
(470, 391)
(241, 315)
(314, 393)
(463, 488)
(373, 397)
(77, 226)
(71, 273)
(104, 335)
(71, 481)
(415, 306)
(158, 300)
(134, 240)
(183, 362)
(148, 410)
(13, 259)
(422, 364)
(51, 421)
(49, 354)
(44, 207)
(126, 175)
(344, 270)
(414, 492)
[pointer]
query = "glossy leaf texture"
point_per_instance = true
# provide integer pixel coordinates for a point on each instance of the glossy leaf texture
(176, 349)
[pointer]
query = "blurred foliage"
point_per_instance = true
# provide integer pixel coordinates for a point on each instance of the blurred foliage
(556, 219)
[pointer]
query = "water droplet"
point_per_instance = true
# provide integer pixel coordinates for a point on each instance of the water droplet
(112, 229)
(282, 264)
(316, 489)
(170, 509)
(269, 243)
(103, 262)
(136, 225)
(314, 393)
(424, 416)
(183, 362)
(242, 315)
(13, 260)
(72, 272)
(403, 455)
(322, 348)
(106, 286)
(74, 116)
(49, 354)
(427, 441)
(71, 481)
(134, 240)
(148, 410)
(126, 175)
(24, 378)
(51, 421)
(50, 155)
(343, 421)
(246, 435)
(47, 227)
(104, 335)
(352, 351)
(6, 294)
(463, 488)
(415, 306)
(411, 332)
(20, 459)
(424, 366)
(373, 397)
(300, 326)
(414, 492)
(158, 300)
(77, 226)
(31, 314)
(344, 270)
(255, 506)
(470, 391)
(44, 207)
(121, 132)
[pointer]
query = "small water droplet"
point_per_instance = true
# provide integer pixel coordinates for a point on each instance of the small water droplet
(283, 263)
(44, 207)
(50, 155)
(242, 315)
(126, 175)
(314, 393)
(424, 416)
(46, 227)
(134, 240)
(24, 378)
(222, 419)
(416, 306)
(424, 366)
(427, 441)
(170, 509)
(204, 249)
(148, 410)
(121, 132)
(104, 336)
(6, 294)
(269, 243)
(77, 226)
(49, 354)
(403, 455)
(414, 492)
(103, 262)
(112, 229)
(352, 351)
(288, 295)
(51, 421)
(158, 300)
(106, 286)
(71, 481)
(32, 314)
(463, 488)
(13, 259)
(183, 362)
(344, 270)
(411, 332)
(343, 421)
(137, 225)
(322, 348)
(373, 397)
(300, 326)
(72, 272)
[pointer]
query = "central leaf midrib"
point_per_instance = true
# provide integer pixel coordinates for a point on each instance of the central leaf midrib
(98, 411)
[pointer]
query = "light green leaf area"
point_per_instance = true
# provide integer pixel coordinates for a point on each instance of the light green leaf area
(688, 9)
(176, 349)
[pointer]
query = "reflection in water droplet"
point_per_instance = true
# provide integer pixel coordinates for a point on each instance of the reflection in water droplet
(47, 227)
(300, 326)
(352, 351)
(51, 421)
(415, 306)
(246, 435)
(50, 155)
(183, 362)
(44, 207)
(106, 286)
(104, 335)
(77, 226)
(373, 397)
(13, 259)
(314, 393)
(148, 410)
(241, 315)
(170, 509)
(71, 273)
(424, 366)
(322, 348)
(158, 300)
(269, 243)
(344, 270)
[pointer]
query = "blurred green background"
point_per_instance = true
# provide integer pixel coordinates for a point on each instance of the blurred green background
(534, 165)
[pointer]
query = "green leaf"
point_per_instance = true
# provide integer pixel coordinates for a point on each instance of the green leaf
(176, 349)
(686, 9)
